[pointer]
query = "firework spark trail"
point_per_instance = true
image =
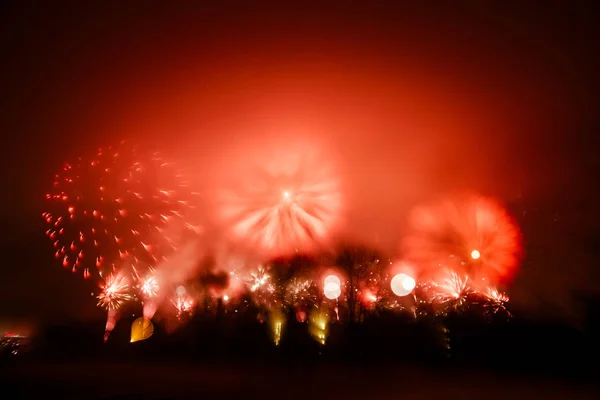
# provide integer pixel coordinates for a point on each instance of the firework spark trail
(121, 204)
(472, 235)
(496, 301)
(258, 279)
(183, 304)
(177, 269)
(301, 292)
(282, 202)
(452, 289)
(115, 292)
(149, 286)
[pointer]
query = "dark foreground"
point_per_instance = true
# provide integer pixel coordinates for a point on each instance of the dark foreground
(448, 359)
(326, 381)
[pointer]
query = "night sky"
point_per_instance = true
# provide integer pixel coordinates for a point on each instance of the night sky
(416, 100)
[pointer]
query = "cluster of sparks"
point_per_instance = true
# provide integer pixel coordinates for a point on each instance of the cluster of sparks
(301, 292)
(122, 205)
(258, 279)
(149, 286)
(454, 293)
(183, 304)
(452, 289)
(115, 293)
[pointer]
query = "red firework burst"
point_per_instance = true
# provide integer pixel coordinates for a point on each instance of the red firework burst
(471, 234)
(121, 205)
(284, 201)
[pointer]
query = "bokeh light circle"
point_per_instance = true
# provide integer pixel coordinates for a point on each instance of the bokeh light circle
(180, 291)
(332, 279)
(402, 284)
(332, 290)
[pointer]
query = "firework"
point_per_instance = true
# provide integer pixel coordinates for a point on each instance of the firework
(122, 204)
(471, 235)
(184, 304)
(283, 202)
(319, 325)
(276, 323)
(301, 293)
(452, 290)
(496, 301)
(261, 286)
(149, 286)
(115, 292)
(258, 279)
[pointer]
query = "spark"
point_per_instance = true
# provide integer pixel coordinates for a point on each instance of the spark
(183, 304)
(258, 279)
(114, 293)
(150, 286)
(103, 200)
(301, 292)
(452, 290)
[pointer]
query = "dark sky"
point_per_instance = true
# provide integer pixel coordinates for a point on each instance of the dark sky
(501, 99)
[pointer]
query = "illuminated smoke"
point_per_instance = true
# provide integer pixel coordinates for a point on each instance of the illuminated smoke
(471, 235)
(280, 200)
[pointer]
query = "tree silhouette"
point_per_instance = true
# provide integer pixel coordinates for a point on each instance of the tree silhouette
(357, 261)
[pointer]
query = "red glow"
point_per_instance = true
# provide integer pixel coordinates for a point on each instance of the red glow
(445, 234)
(285, 199)
(301, 316)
